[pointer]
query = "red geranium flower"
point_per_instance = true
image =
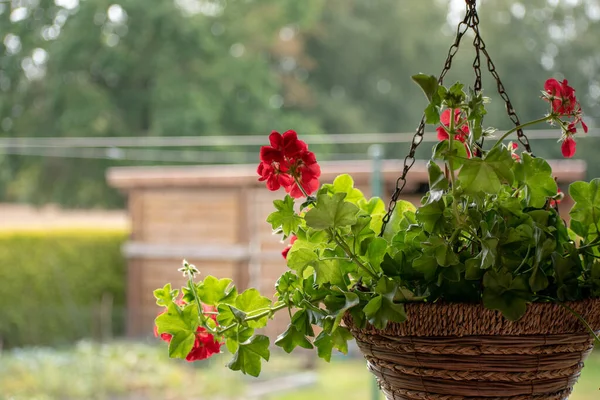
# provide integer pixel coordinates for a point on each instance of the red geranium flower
(287, 163)
(287, 249)
(561, 96)
(568, 147)
(442, 132)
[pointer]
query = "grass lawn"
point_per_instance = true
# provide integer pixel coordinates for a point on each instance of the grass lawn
(136, 371)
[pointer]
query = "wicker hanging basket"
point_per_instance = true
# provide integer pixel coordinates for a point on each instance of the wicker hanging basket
(466, 352)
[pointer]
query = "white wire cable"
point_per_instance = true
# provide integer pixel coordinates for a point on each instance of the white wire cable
(242, 140)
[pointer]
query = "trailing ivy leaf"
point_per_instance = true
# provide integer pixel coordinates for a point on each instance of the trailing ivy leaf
(339, 305)
(292, 338)
(473, 270)
(237, 335)
(404, 210)
(361, 234)
(213, 291)
(427, 265)
(375, 252)
(302, 322)
(338, 339)
(247, 357)
(442, 251)
(535, 175)
(506, 294)
(566, 271)
(431, 216)
(285, 218)
(331, 212)
(428, 83)
(538, 280)
(587, 204)
(381, 308)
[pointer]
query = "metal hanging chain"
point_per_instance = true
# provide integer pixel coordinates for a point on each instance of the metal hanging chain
(480, 47)
(409, 160)
(471, 20)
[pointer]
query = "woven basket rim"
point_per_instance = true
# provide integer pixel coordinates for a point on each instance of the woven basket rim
(473, 319)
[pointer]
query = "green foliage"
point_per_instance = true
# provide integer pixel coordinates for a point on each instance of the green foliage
(53, 283)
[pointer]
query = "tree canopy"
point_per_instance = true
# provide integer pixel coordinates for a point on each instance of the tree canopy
(99, 68)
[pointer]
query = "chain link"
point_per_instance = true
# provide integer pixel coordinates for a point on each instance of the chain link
(471, 20)
(409, 160)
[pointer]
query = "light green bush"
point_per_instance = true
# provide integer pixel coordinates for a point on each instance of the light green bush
(52, 285)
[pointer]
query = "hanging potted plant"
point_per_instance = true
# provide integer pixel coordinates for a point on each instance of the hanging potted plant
(482, 291)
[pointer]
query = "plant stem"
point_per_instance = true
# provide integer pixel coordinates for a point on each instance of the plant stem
(196, 299)
(451, 135)
(253, 318)
(300, 187)
(340, 242)
(536, 121)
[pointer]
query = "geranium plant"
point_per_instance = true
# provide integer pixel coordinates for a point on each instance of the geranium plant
(487, 231)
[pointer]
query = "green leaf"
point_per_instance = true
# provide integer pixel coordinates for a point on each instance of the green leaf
(535, 175)
(345, 184)
(375, 207)
(398, 218)
(587, 203)
(431, 216)
(299, 258)
(285, 218)
(292, 338)
(381, 308)
(331, 212)
(165, 296)
(437, 179)
(426, 265)
(329, 271)
(506, 294)
(457, 152)
(442, 251)
(213, 291)
(489, 174)
(428, 83)
(249, 302)
(338, 339)
(181, 344)
(247, 357)
(538, 280)
(338, 306)
(375, 252)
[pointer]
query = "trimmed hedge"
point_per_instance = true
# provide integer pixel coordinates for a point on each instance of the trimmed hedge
(61, 286)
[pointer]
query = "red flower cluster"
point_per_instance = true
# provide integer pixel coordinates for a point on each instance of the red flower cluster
(205, 344)
(564, 104)
(287, 163)
(460, 126)
(287, 249)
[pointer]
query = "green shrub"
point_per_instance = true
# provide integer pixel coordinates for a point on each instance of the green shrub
(60, 286)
